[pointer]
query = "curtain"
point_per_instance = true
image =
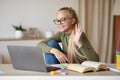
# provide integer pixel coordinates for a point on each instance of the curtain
(97, 20)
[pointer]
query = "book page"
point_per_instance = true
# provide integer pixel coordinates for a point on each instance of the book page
(97, 65)
(80, 68)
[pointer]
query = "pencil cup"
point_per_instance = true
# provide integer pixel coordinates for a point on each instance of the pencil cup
(118, 61)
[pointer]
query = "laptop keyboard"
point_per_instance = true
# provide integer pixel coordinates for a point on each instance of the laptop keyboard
(50, 68)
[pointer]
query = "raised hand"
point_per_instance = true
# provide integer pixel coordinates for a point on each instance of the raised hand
(77, 35)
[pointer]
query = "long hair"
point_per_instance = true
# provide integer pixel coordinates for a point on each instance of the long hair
(73, 54)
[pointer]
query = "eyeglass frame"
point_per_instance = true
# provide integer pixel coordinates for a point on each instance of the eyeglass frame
(60, 21)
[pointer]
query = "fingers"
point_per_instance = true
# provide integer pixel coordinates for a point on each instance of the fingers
(61, 57)
(79, 27)
(76, 27)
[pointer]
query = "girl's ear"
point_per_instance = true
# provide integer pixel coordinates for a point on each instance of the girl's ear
(73, 21)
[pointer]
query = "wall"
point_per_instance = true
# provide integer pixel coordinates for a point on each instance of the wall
(30, 13)
(116, 10)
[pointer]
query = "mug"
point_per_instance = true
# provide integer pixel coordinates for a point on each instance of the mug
(48, 34)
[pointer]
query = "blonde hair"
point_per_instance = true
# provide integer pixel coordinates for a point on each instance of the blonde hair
(73, 54)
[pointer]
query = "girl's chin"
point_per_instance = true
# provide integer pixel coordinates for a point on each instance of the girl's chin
(62, 31)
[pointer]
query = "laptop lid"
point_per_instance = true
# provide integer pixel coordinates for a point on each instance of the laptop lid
(27, 58)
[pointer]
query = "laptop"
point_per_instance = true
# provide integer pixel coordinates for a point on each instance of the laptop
(28, 58)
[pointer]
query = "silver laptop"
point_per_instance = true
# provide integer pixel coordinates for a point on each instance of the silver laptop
(28, 58)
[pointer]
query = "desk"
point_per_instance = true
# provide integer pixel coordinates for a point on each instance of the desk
(9, 71)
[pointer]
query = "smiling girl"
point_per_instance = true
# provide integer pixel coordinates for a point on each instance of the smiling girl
(76, 47)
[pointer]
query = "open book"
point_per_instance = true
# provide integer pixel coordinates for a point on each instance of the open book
(88, 66)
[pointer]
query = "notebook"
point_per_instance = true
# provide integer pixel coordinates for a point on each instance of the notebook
(28, 58)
